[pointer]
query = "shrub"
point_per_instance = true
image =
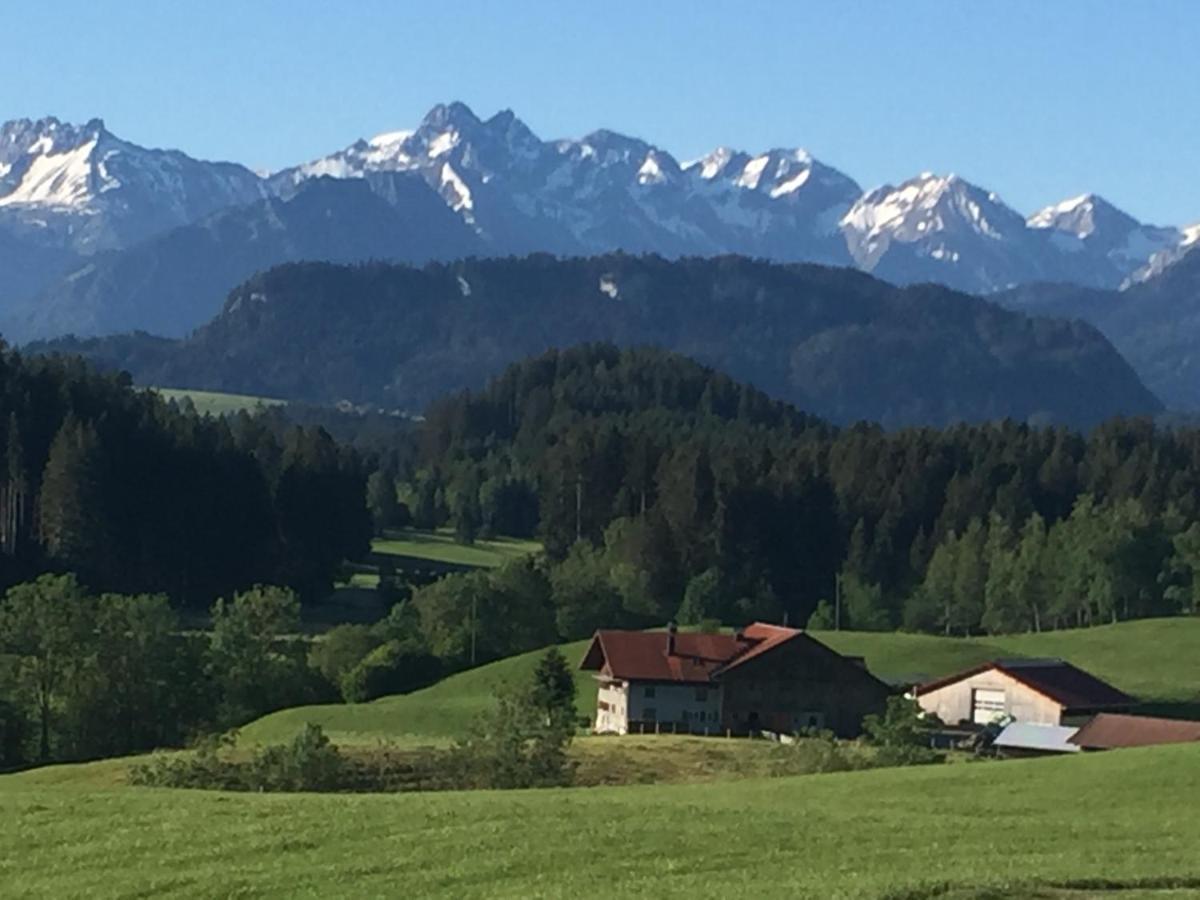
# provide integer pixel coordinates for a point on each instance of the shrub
(901, 734)
(818, 751)
(396, 667)
(341, 649)
(309, 763)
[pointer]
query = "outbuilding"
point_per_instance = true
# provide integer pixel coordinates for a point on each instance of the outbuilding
(1045, 691)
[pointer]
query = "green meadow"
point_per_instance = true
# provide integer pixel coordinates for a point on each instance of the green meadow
(1092, 826)
(440, 546)
(215, 403)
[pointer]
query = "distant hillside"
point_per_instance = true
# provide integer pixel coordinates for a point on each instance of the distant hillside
(1154, 324)
(831, 341)
(175, 281)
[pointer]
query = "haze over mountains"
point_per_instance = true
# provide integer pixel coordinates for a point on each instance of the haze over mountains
(74, 200)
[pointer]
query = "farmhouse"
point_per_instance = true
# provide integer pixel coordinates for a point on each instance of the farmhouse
(764, 677)
(1045, 691)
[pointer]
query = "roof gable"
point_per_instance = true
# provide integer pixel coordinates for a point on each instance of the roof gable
(697, 658)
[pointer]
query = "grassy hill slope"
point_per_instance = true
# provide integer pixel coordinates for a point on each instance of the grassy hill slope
(435, 714)
(1104, 820)
(1156, 660)
(1152, 659)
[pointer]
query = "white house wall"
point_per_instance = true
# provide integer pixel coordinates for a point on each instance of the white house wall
(612, 704)
(953, 702)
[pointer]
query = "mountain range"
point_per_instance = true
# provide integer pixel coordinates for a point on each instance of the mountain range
(91, 226)
(832, 341)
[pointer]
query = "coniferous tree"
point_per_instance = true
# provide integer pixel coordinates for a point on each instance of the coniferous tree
(71, 513)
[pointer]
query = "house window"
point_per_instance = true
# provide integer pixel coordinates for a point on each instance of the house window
(648, 691)
(701, 695)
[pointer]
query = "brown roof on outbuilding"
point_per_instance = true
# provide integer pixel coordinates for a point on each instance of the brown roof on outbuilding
(1062, 682)
(1108, 731)
(643, 656)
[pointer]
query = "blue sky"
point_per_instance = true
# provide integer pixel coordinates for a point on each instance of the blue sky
(1036, 100)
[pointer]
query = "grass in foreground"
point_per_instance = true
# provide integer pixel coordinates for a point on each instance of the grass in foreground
(1124, 818)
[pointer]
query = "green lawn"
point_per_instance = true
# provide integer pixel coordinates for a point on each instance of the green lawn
(215, 403)
(1126, 818)
(440, 546)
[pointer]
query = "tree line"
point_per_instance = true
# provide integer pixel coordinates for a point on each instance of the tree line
(662, 489)
(134, 494)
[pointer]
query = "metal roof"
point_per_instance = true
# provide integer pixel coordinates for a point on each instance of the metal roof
(1035, 736)
(1108, 731)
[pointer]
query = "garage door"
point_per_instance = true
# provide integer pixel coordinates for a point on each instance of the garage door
(987, 705)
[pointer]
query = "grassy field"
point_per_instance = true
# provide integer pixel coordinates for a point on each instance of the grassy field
(1155, 660)
(215, 403)
(1064, 827)
(437, 714)
(1152, 659)
(440, 546)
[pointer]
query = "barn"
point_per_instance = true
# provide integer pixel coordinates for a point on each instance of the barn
(762, 678)
(1045, 691)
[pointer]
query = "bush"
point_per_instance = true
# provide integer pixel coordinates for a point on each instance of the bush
(515, 745)
(309, 763)
(396, 667)
(901, 734)
(341, 649)
(816, 752)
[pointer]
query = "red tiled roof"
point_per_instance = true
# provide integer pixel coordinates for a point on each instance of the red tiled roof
(1106, 731)
(1062, 682)
(642, 655)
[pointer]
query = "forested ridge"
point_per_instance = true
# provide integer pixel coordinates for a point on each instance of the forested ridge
(834, 342)
(666, 490)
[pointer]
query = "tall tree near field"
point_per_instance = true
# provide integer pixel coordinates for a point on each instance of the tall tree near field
(14, 498)
(71, 514)
(382, 500)
(43, 624)
(552, 690)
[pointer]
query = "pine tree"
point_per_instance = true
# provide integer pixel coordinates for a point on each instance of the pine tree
(71, 514)
(552, 691)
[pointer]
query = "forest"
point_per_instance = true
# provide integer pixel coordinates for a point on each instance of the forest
(662, 489)
(133, 494)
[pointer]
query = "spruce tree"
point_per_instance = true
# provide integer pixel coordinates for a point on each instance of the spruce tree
(72, 520)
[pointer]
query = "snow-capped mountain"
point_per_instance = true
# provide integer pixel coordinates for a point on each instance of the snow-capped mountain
(1092, 225)
(1188, 240)
(944, 229)
(68, 192)
(606, 191)
(92, 190)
